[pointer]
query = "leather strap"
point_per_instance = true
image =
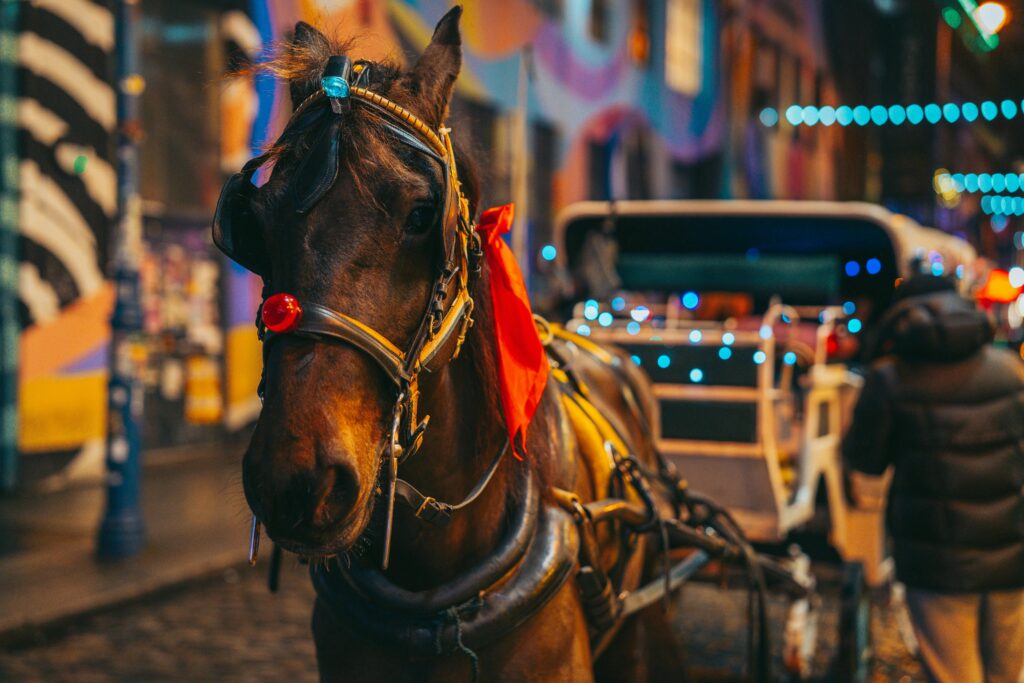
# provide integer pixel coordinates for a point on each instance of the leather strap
(439, 513)
(320, 321)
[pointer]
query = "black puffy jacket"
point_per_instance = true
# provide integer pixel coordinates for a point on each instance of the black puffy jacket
(946, 409)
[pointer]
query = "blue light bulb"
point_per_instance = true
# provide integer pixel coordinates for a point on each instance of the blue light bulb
(769, 116)
(971, 182)
(970, 111)
(915, 113)
(696, 375)
(873, 266)
(548, 252)
(933, 113)
(809, 115)
(852, 268)
(989, 110)
(725, 353)
(827, 115)
(861, 115)
(690, 300)
(897, 114)
(844, 115)
(985, 182)
(1009, 108)
(793, 114)
(950, 112)
(879, 115)
(664, 361)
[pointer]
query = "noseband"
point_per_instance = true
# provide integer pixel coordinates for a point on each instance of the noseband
(442, 328)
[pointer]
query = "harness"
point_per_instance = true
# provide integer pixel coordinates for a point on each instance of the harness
(544, 545)
(448, 315)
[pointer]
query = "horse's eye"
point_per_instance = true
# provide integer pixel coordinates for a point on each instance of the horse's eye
(420, 219)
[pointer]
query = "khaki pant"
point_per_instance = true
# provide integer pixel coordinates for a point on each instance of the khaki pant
(969, 637)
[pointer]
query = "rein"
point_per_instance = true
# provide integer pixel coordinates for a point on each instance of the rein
(442, 329)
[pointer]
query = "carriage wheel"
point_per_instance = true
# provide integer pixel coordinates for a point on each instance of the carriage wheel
(853, 661)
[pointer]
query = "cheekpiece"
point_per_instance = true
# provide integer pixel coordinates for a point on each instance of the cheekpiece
(335, 81)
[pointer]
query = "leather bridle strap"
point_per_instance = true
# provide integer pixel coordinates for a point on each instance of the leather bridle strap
(437, 512)
(320, 322)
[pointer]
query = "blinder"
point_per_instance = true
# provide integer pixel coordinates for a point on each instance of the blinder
(235, 231)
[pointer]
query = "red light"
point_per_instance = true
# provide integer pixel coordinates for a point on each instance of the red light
(281, 313)
(998, 288)
(832, 344)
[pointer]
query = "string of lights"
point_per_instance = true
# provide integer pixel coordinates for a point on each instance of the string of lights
(982, 182)
(1002, 205)
(896, 114)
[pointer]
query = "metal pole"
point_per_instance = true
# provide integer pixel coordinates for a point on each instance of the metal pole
(122, 532)
(8, 246)
(521, 156)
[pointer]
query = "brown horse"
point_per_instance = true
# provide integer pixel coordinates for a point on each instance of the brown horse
(360, 221)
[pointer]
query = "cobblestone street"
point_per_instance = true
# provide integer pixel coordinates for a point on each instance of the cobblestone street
(229, 628)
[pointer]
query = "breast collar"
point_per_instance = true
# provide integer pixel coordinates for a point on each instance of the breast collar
(442, 329)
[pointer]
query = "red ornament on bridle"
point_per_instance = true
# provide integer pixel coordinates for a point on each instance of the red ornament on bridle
(281, 313)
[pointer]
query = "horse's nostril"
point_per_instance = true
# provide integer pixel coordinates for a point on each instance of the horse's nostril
(339, 490)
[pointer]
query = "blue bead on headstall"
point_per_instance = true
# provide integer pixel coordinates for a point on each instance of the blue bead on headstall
(335, 82)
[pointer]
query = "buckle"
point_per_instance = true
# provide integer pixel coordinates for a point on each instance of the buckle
(433, 512)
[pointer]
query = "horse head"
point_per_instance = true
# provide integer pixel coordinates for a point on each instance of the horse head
(362, 221)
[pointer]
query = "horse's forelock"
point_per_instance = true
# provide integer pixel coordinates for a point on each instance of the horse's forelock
(368, 152)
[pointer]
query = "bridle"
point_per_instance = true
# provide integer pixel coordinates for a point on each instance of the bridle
(442, 329)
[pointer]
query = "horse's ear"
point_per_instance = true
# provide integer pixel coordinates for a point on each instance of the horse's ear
(432, 80)
(309, 43)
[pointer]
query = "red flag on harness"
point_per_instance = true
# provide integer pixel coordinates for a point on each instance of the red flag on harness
(522, 363)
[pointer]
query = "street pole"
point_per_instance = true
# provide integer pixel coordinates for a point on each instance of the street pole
(122, 530)
(8, 246)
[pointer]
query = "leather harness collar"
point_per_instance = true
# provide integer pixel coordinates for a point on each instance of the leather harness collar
(536, 558)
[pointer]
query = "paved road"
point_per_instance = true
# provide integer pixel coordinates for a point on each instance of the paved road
(229, 628)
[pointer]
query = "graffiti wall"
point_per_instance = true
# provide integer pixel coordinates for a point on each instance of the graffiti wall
(66, 115)
(564, 99)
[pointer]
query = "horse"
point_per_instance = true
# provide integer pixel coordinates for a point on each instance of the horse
(375, 313)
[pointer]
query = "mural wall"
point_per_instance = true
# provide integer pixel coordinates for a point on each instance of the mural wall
(620, 99)
(66, 115)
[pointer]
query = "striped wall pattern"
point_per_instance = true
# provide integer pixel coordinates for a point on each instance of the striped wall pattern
(8, 246)
(66, 117)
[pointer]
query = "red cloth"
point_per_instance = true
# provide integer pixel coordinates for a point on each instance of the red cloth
(522, 363)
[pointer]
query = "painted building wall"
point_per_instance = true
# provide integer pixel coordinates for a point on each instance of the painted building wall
(66, 115)
(601, 109)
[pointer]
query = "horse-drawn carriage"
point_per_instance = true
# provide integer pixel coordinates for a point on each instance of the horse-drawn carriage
(386, 303)
(748, 317)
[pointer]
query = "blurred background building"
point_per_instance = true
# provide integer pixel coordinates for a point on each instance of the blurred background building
(563, 100)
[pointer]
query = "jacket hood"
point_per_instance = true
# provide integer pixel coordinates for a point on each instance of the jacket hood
(942, 327)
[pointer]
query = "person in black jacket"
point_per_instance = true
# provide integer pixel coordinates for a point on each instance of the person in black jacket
(945, 409)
